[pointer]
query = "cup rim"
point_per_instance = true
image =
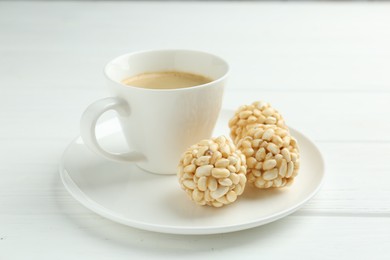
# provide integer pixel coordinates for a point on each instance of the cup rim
(223, 77)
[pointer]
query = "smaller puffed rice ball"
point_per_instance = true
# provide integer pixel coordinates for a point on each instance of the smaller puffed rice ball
(258, 112)
(272, 156)
(212, 172)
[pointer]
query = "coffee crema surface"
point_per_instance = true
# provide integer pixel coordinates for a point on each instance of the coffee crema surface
(166, 80)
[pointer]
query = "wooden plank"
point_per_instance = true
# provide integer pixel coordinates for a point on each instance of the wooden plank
(272, 46)
(356, 179)
(327, 116)
(64, 236)
(331, 116)
(356, 183)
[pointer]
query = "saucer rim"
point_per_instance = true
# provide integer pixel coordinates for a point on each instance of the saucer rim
(84, 200)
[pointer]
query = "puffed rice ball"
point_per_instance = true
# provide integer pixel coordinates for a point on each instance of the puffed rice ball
(212, 172)
(272, 156)
(258, 112)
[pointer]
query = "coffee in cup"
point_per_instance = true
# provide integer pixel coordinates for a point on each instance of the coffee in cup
(166, 80)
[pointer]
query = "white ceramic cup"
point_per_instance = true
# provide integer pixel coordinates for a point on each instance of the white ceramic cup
(159, 124)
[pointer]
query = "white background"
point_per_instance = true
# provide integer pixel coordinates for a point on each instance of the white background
(325, 66)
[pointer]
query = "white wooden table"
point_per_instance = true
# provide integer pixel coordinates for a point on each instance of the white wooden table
(325, 65)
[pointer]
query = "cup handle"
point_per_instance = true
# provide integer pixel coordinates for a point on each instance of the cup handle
(88, 126)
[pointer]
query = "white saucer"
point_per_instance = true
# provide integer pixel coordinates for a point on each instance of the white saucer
(128, 195)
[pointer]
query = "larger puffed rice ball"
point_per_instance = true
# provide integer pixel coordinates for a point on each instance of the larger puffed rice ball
(258, 112)
(272, 156)
(212, 172)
